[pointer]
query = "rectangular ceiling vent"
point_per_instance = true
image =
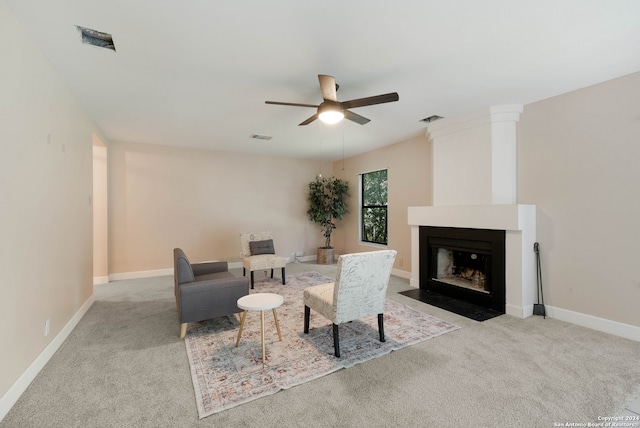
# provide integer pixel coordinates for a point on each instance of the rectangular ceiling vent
(96, 38)
(431, 119)
(260, 137)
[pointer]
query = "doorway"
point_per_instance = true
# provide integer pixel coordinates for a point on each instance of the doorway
(100, 213)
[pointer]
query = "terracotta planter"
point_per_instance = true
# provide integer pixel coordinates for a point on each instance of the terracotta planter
(325, 256)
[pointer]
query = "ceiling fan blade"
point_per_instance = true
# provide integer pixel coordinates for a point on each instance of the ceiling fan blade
(308, 121)
(368, 101)
(290, 104)
(355, 117)
(328, 87)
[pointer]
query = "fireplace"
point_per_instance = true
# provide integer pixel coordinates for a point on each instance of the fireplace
(474, 182)
(465, 264)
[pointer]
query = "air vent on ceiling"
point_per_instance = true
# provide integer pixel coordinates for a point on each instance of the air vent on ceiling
(431, 119)
(260, 137)
(96, 38)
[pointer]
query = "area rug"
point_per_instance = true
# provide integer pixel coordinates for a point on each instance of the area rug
(225, 376)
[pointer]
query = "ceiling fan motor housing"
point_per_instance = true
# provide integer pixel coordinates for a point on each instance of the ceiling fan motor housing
(329, 106)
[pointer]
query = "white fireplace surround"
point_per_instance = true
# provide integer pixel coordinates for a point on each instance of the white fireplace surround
(519, 222)
(474, 186)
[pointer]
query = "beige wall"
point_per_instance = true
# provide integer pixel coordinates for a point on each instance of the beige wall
(578, 161)
(162, 197)
(409, 175)
(45, 210)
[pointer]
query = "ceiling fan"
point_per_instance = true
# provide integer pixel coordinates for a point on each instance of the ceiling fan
(331, 110)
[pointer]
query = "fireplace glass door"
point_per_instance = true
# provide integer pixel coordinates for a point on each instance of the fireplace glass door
(462, 268)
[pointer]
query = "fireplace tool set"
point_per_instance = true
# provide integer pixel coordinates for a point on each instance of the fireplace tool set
(538, 308)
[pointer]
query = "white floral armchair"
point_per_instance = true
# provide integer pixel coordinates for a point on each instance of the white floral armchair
(258, 254)
(359, 291)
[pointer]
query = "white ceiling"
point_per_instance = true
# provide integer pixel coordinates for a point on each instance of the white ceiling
(196, 73)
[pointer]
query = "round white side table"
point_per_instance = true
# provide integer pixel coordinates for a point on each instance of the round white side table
(260, 302)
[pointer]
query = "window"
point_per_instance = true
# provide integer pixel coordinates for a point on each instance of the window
(374, 207)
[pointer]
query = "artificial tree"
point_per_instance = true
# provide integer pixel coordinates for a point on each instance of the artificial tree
(327, 203)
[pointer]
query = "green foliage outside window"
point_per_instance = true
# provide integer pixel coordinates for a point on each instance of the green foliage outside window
(374, 207)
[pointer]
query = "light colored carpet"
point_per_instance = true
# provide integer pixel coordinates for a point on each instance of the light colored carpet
(225, 376)
(124, 366)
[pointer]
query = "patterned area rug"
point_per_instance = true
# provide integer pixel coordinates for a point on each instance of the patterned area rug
(225, 376)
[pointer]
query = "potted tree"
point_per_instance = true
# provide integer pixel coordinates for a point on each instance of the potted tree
(326, 204)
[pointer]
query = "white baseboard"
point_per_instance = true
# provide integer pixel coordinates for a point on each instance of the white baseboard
(604, 325)
(595, 323)
(518, 311)
(600, 324)
(302, 259)
(232, 265)
(401, 273)
(97, 280)
(140, 274)
(169, 271)
(17, 389)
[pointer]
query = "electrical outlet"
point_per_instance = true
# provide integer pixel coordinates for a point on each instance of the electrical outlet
(299, 253)
(47, 327)
(400, 261)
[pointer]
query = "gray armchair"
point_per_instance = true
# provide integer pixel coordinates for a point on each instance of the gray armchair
(205, 290)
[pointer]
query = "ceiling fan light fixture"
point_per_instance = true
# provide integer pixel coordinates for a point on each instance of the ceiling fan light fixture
(330, 114)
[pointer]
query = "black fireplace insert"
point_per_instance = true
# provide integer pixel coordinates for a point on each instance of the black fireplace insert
(465, 264)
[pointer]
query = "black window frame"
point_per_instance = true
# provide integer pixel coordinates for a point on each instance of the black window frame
(366, 208)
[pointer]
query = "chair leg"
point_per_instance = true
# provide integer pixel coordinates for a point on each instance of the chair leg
(381, 327)
(183, 330)
(283, 281)
(252, 280)
(244, 271)
(271, 273)
(336, 340)
(307, 313)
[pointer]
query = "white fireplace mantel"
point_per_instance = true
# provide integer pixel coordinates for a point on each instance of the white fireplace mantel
(519, 224)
